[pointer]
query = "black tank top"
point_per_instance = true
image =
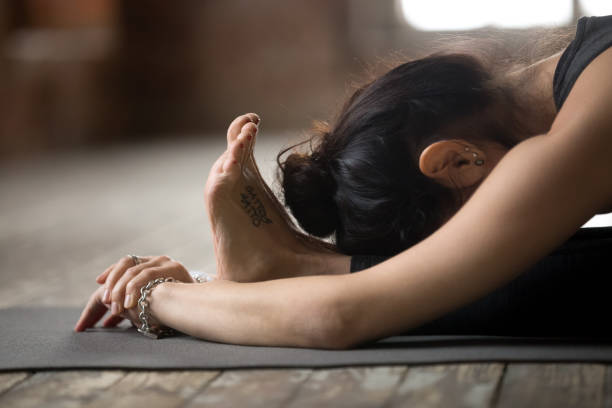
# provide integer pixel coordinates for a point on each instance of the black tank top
(593, 36)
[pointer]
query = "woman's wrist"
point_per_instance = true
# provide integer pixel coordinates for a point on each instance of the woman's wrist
(157, 299)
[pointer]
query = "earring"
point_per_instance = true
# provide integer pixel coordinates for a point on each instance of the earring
(478, 162)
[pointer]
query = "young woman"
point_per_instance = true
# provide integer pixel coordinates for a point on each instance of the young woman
(468, 174)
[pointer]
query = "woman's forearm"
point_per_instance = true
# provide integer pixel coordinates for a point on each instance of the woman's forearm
(283, 312)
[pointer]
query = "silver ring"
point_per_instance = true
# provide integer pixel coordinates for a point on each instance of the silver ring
(135, 259)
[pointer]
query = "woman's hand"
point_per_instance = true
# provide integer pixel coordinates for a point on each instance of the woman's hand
(96, 309)
(123, 280)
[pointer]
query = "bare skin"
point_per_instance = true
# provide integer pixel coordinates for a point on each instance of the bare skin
(254, 239)
(248, 222)
(534, 88)
(538, 194)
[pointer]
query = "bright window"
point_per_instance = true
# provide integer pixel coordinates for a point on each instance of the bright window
(596, 7)
(442, 15)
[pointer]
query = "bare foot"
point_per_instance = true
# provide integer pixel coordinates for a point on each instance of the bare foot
(253, 236)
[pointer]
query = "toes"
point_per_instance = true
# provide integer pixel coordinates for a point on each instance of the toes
(254, 118)
(234, 157)
(241, 147)
(249, 131)
(234, 129)
(248, 128)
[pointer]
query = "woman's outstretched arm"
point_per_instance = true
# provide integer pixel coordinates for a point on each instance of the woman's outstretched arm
(538, 195)
(282, 312)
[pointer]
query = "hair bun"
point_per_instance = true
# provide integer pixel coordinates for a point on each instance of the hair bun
(309, 189)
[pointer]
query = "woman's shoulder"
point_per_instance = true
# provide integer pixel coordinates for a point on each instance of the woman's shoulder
(587, 108)
(584, 123)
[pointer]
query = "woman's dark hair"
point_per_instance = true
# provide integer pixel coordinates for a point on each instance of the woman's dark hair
(361, 182)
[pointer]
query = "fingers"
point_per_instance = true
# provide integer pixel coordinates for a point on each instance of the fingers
(113, 321)
(93, 311)
(115, 274)
(165, 267)
(123, 283)
(126, 293)
(101, 278)
(118, 270)
(234, 129)
(132, 288)
(118, 290)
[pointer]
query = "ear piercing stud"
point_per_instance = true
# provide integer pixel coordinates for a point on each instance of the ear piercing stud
(478, 162)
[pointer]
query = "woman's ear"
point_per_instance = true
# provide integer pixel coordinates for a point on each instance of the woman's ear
(453, 163)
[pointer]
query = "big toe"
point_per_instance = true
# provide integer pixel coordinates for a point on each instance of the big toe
(236, 126)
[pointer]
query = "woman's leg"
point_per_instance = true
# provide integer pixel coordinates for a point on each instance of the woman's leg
(564, 294)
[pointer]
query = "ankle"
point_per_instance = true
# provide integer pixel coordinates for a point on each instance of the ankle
(316, 262)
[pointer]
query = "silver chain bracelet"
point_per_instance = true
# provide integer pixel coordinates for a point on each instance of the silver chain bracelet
(143, 303)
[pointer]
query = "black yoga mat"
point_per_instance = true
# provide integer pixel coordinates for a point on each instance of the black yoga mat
(557, 311)
(42, 339)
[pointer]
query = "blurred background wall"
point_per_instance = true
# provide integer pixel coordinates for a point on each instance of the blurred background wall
(82, 73)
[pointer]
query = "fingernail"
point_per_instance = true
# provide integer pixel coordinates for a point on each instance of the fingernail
(115, 308)
(257, 120)
(128, 301)
(249, 137)
(241, 145)
(106, 297)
